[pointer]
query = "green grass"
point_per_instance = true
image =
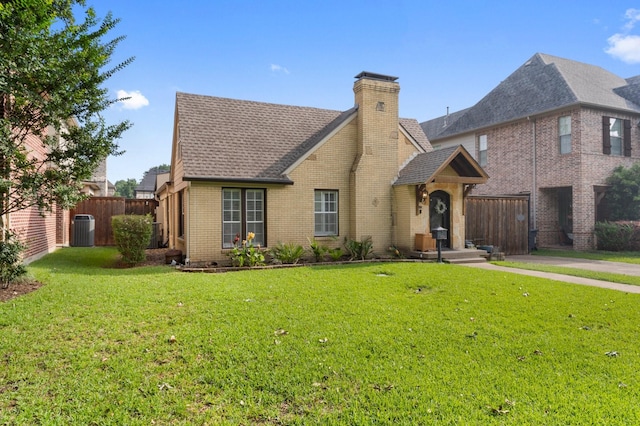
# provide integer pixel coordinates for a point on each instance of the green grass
(611, 256)
(392, 343)
(583, 273)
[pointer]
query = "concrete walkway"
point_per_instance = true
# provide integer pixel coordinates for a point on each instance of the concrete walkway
(591, 265)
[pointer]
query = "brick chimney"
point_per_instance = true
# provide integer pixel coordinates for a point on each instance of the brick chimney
(376, 165)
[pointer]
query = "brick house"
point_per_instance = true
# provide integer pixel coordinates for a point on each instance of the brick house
(42, 233)
(554, 129)
(290, 173)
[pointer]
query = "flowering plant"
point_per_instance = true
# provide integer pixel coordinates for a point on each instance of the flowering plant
(246, 253)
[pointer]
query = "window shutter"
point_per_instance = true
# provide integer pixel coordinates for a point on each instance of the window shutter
(606, 136)
(627, 138)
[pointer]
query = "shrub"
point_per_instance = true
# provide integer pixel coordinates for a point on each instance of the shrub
(132, 234)
(623, 196)
(11, 266)
(318, 250)
(358, 249)
(287, 253)
(245, 253)
(613, 236)
(336, 254)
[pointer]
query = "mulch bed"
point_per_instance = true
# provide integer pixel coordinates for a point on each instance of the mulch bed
(15, 290)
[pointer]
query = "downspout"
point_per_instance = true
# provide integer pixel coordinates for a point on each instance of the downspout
(534, 189)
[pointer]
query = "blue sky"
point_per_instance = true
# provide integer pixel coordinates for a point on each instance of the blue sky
(445, 53)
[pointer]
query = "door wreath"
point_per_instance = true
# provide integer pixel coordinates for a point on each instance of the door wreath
(440, 207)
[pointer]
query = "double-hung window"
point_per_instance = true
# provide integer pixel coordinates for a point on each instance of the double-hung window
(482, 150)
(326, 213)
(564, 134)
(243, 211)
(616, 136)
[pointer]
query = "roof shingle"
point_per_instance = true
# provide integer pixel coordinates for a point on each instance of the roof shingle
(543, 83)
(236, 140)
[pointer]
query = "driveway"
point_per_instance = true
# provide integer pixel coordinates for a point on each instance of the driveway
(591, 265)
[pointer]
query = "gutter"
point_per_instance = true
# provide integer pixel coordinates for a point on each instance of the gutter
(283, 181)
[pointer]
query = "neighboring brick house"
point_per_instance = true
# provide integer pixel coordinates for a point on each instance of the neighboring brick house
(98, 185)
(555, 129)
(148, 185)
(42, 233)
(290, 173)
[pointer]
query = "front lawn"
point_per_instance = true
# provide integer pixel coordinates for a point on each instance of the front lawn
(611, 256)
(386, 343)
(584, 273)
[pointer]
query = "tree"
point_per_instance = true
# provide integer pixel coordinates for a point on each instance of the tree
(623, 197)
(125, 188)
(52, 68)
(157, 169)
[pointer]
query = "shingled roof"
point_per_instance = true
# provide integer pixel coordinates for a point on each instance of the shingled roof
(235, 140)
(543, 83)
(425, 167)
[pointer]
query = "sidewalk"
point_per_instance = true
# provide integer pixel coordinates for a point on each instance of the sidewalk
(592, 265)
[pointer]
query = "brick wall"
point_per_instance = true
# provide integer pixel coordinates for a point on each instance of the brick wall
(510, 165)
(377, 162)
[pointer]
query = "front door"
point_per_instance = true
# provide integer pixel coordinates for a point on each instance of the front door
(440, 213)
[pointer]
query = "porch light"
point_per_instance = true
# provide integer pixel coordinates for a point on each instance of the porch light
(421, 197)
(439, 234)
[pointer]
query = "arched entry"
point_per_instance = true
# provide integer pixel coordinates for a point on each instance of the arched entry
(440, 213)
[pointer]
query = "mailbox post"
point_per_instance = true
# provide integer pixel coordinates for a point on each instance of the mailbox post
(439, 234)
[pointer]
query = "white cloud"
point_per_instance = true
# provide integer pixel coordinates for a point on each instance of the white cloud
(632, 16)
(136, 99)
(625, 46)
(278, 68)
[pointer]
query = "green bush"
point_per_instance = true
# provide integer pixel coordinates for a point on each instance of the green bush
(11, 266)
(287, 253)
(623, 195)
(132, 234)
(336, 254)
(614, 236)
(318, 250)
(358, 249)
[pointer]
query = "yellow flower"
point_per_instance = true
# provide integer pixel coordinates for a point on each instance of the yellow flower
(244, 243)
(251, 236)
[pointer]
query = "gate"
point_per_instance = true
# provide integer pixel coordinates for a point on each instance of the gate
(103, 208)
(500, 221)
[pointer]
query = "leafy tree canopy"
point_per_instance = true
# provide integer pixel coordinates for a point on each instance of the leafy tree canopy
(53, 63)
(125, 188)
(623, 197)
(157, 169)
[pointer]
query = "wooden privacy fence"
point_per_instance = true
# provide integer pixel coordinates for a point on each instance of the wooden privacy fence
(103, 208)
(501, 221)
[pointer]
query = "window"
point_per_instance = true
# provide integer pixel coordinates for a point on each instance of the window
(564, 134)
(616, 136)
(181, 214)
(326, 213)
(482, 150)
(243, 211)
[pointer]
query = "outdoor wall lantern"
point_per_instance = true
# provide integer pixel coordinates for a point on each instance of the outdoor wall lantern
(421, 197)
(439, 234)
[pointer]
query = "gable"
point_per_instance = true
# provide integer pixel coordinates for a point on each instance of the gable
(542, 84)
(454, 165)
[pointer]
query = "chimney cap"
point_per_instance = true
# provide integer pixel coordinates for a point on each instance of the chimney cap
(375, 76)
